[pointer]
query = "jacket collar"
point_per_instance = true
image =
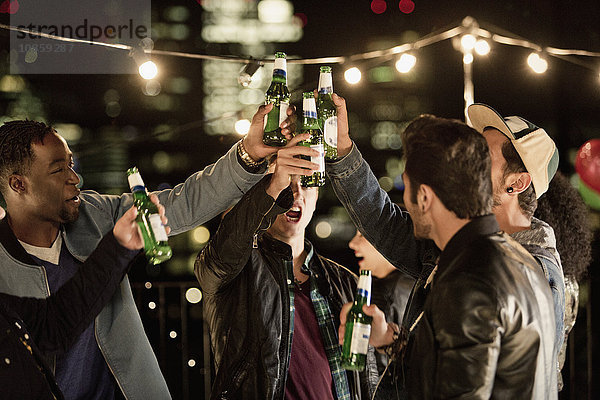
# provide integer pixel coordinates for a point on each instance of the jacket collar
(313, 263)
(478, 226)
(12, 245)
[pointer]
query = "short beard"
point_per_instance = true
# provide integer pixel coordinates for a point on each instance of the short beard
(422, 230)
(67, 217)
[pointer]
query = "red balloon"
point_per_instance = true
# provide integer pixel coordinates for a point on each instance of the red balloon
(587, 163)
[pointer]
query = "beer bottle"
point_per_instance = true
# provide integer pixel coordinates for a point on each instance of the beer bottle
(153, 232)
(279, 95)
(327, 113)
(358, 327)
(310, 125)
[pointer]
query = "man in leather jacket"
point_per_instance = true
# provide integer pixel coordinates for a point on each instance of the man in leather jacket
(487, 325)
(271, 301)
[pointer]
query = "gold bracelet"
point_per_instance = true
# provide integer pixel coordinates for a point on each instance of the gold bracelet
(241, 150)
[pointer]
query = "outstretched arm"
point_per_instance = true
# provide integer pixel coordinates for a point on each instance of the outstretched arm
(57, 321)
(229, 250)
(380, 220)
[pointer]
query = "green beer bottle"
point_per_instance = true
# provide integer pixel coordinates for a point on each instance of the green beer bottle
(153, 232)
(279, 95)
(310, 124)
(327, 113)
(358, 327)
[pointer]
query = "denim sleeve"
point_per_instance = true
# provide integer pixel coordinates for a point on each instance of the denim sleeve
(381, 221)
(556, 280)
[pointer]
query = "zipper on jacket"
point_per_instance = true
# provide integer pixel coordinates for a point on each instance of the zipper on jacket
(53, 366)
(106, 361)
(258, 230)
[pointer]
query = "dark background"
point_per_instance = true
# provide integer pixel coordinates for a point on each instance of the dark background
(565, 101)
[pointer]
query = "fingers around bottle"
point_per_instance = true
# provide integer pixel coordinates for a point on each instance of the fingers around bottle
(263, 110)
(297, 139)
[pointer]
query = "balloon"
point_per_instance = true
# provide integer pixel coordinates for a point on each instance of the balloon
(587, 164)
(589, 196)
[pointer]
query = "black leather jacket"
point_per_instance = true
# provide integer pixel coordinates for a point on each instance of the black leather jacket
(487, 330)
(246, 300)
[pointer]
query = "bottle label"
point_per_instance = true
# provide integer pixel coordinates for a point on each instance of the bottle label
(309, 108)
(283, 107)
(320, 159)
(360, 338)
(330, 131)
(325, 83)
(280, 65)
(135, 180)
(160, 234)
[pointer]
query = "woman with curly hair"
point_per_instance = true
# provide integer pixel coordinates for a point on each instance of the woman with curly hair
(564, 210)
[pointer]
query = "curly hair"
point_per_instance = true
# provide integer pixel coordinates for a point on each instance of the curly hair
(564, 210)
(16, 154)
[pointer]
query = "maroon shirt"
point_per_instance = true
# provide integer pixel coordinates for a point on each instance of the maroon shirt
(309, 375)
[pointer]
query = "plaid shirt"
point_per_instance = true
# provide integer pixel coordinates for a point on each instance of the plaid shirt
(327, 327)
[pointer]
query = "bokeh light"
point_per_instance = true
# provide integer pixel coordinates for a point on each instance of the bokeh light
(353, 75)
(468, 58)
(378, 6)
(193, 295)
(406, 6)
(482, 47)
(467, 42)
(537, 63)
(405, 63)
(148, 70)
(242, 126)
(323, 229)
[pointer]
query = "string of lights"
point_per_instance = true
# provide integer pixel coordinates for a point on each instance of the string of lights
(420, 43)
(468, 37)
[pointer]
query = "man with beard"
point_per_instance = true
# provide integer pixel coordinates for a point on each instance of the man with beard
(51, 227)
(486, 328)
(271, 301)
(389, 228)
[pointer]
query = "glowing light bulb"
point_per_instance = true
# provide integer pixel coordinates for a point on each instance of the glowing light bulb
(242, 126)
(352, 75)
(148, 70)
(537, 63)
(468, 42)
(482, 47)
(405, 63)
(468, 58)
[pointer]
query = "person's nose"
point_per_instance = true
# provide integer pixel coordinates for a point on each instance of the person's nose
(73, 177)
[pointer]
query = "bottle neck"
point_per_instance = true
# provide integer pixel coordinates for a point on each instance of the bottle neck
(280, 76)
(325, 83)
(138, 190)
(363, 291)
(310, 122)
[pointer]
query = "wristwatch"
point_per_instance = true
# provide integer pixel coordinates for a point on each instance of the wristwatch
(246, 159)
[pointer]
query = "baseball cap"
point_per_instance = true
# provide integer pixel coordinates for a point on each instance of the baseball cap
(537, 150)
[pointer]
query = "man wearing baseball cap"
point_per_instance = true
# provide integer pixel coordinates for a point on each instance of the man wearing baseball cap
(524, 161)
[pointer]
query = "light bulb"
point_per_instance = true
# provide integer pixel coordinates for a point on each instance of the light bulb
(405, 63)
(148, 70)
(352, 75)
(537, 63)
(468, 42)
(482, 47)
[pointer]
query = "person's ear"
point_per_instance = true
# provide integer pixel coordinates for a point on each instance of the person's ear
(518, 183)
(17, 184)
(424, 197)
